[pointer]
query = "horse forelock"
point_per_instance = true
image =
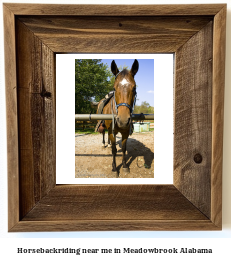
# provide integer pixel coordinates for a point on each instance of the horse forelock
(125, 77)
(124, 73)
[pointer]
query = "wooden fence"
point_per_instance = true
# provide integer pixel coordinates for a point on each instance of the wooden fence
(89, 121)
(83, 125)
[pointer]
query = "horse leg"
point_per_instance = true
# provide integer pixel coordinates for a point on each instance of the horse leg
(109, 141)
(103, 142)
(124, 144)
(114, 150)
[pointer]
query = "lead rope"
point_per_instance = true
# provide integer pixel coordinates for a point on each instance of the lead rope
(113, 119)
(115, 103)
(131, 131)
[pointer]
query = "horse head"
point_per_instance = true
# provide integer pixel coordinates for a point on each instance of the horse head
(125, 92)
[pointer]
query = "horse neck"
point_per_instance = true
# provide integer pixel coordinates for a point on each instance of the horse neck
(107, 108)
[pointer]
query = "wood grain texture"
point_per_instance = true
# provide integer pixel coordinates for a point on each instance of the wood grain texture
(11, 116)
(195, 202)
(114, 207)
(114, 34)
(114, 225)
(116, 10)
(193, 126)
(218, 115)
(113, 202)
(35, 66)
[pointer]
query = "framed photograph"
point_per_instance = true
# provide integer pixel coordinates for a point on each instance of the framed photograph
(35, 35)
(87, 159)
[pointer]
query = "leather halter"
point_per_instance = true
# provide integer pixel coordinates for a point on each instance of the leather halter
(123, 103)
(131, 108)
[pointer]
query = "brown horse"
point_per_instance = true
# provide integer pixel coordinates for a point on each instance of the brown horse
(121, 105)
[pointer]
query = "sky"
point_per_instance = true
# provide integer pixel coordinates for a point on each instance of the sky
(144, 77)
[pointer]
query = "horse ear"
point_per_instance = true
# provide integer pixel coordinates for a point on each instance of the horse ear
(135, 68)
(114, 68)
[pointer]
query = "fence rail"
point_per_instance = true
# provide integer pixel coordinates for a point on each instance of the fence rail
(89, 117)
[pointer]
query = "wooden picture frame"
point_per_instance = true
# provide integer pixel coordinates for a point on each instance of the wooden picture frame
(33, 34)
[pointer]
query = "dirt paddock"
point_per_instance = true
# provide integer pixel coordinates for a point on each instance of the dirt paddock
(94, 161)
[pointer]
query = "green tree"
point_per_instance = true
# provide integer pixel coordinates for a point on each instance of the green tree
(92, 83)
(144, 108)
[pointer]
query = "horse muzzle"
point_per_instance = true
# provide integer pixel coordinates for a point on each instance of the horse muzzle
(123, 123)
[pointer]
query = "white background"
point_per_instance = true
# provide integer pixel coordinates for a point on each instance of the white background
(65, 124)
(218, 240)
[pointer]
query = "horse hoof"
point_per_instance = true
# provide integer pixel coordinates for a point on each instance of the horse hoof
(114, 174)
(126, 170)
(103, 146)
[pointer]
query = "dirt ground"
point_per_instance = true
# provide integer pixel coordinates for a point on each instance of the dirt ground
(94, 161)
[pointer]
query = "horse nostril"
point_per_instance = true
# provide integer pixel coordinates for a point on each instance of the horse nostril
(128, 121)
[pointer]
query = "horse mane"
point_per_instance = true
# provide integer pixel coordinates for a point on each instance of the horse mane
(124, 72)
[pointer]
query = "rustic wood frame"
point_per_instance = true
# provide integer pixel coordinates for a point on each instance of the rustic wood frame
(33, 34)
